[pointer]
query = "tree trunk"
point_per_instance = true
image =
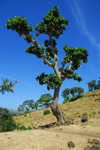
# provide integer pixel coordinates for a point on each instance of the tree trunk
(55, 109)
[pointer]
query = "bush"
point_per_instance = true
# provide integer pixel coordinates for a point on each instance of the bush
(46, 112)
(6, 121)
(22, 128)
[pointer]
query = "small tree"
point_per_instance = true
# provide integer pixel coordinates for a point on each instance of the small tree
(21, 108)
(7, 86)
(65, 93)
(52, 25)
(30, 104)
(93, 86)
(44, 100)
(98, 85)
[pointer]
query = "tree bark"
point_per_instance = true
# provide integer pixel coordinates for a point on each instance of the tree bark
(55, 109)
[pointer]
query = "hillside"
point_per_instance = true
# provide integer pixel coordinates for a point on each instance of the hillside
(57, 137)
(89, 105)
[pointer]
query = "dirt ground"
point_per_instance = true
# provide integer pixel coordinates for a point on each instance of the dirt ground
(56, 138)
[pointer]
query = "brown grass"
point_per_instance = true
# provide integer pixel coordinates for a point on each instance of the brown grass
(55, 138)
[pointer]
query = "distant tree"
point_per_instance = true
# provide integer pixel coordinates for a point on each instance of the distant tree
(80, 91)
(52, 25)
(65, 93)
(44, 100)
(21, 108)
(7, 86)
(93, 86)
(75, 90)
(98, 85)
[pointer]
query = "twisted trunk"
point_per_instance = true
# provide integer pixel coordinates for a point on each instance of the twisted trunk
(55, 109)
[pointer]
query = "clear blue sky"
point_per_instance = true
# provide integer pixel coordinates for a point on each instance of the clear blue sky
(15, 64)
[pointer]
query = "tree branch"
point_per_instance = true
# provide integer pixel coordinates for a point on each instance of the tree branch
(63, 78)
(55, 56)
(68, 75)
(50, 64)
(70, 67)
(62, 68)
(31, 40)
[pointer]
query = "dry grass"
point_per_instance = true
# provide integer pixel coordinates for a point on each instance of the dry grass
(51, 140)
(88, 104)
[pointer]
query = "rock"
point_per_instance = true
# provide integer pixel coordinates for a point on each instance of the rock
(94, 141)
(71, 144)
(95, 147)
(84, 119)
(87, 148)
(92, 148)
(73, 119)
(79, 116)
(55, 124)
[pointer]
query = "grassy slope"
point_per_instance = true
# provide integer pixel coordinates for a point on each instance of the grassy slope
(89, 104)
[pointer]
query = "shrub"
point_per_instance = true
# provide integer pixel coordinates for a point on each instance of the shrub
(46, 112)
(85, 114)
(22, 128)
(6, 121)
(29, 128)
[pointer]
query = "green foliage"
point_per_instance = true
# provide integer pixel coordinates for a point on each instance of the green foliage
(75, 76)
(52, 25)
(22, 128)
(85, 114)
(52, 20)
(19, 24)
(38, 52)
(6, 121)
(30, 103)
(66, 100)
(66, 93)
(52, 80)
(48, 52)
(76, 55)
(46, 112)
(93, 86)
(21, 108)
(7, 86)
(44, 100)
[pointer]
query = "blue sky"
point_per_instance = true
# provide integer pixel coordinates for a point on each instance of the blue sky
(15, 64)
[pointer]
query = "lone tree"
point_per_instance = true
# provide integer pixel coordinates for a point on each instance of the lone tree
(7, 86)
(52, 25)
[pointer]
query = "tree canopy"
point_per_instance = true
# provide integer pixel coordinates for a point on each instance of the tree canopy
(93, 86)
(53, 25)
(6, 86)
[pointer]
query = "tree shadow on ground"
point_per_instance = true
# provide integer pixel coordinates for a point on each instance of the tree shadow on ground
(97, 99)
(75, 98)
